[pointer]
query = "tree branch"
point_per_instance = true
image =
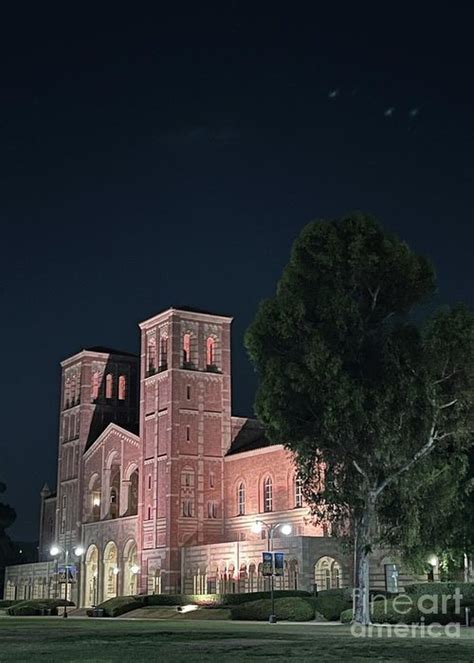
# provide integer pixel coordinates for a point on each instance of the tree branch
(360, 470)
(450, 404)
(426, 449)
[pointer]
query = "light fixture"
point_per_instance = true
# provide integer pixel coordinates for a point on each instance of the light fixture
(55, 550)
(134, 569)
(95, 574)
(286, 530)
(96, 501)
(186, 608)
(79, 550)
(257, 527)
(116, 570)
(432, 560)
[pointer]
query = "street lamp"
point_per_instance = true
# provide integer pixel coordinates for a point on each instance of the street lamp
(55, 551)
(285, 529)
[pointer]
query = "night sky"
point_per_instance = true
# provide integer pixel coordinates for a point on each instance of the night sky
(171, 158)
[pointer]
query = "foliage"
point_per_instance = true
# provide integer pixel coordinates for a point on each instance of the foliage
(331, 602)
(286, 609)
(7, 548)
(7, 603)
(33, 607)
(358, 388)
(122, 604)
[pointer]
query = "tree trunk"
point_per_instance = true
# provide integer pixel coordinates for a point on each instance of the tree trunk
(364, 528)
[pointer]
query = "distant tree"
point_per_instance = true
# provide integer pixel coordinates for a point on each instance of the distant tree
(7, 548)
(368, 399)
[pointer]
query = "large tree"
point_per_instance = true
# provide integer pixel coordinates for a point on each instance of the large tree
(364, 394)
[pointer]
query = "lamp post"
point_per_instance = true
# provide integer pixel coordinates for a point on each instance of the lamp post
(56, 550)
(271, 529)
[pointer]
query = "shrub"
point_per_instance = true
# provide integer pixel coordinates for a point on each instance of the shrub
(287, 609)
(120, 605)
(442, 588)
(6, 604)
(331, 602)
(33, 607)
(405, 609)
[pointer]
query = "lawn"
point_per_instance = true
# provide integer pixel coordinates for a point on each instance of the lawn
(54, 639)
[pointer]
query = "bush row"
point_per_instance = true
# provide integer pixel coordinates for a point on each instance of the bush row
(34, 607)
(122, 604)
(293, 609)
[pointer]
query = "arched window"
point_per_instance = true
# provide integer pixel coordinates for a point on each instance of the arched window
(133, 494)
(267, 495)
(95, 386)
(186, 349)
(163, 352)
(122, 387)
(210, 351)
(108, 385)
(298, 487)
(151, 355)
(241, 499)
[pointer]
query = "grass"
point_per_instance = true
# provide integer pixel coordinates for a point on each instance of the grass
(54, 639)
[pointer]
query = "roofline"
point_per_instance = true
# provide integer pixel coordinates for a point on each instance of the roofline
(92, 353)
(110, 427)
(253, 452)
(190, 314)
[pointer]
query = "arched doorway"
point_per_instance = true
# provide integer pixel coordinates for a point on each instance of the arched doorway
(91, 579)
(131, 569)
(111, 571)
(327, 573)
(132, 505)
(154, 582)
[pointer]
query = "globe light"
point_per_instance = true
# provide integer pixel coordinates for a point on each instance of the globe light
(134, 569)
(257, 527)
(79, 550)
(286, 529)
(96, 501)
(432, 560)
(116, 570)
(55, 550)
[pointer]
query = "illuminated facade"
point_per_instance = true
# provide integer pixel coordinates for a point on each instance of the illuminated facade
(161, 484)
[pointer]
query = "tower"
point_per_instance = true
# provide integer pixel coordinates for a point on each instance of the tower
(98, 386)
(185, 428)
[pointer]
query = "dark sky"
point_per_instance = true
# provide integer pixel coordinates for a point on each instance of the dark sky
(172, 157)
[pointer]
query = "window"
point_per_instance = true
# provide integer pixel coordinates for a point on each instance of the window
(186, 349)
(108, 385)
(211, 480)
(163, 353)
(188, 433)
(188, 508)
(149, 513)
(122, 387)
(151, 355)
(211, 510)
(149, 481)
(188, 392)
(95, 386)
(210, 351)
(298, 485)
(267, 495)
(241, 499)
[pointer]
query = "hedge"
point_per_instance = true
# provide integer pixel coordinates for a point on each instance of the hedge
(405, 609)
(34, 607)
(329, 603)
(442, 589)
(296, 609)
(6, 604)
(121, 604)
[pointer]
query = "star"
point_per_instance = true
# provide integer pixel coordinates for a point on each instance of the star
(389, 111)
(414, 112)
(333, 94)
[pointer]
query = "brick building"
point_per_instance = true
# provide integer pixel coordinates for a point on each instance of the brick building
(162, 486)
